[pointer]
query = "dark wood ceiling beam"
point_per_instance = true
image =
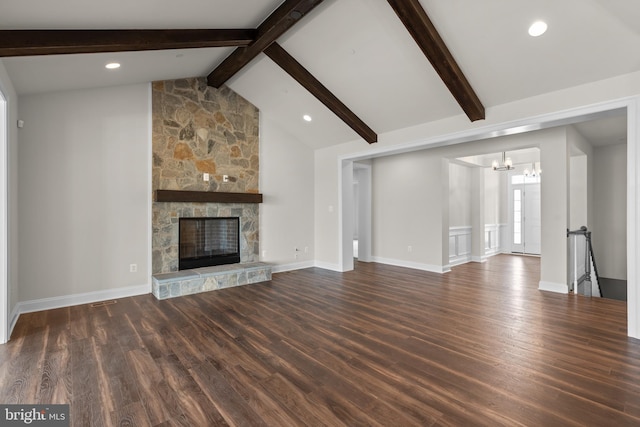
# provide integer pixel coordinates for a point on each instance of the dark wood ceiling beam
(57, 42)
(415, 19)
(317, 89)
(276, 24)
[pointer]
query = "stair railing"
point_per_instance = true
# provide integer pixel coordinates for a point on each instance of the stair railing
(581, 260)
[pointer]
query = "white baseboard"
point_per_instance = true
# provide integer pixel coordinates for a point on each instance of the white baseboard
(411, 264)
(77, 299)
(560, 288)
(281, 268)
(13, 319)
(328, 266)
(453, 261)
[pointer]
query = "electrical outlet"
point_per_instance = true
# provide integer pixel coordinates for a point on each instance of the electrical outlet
(306, 249)
(205, 176)
(225, 178)
(133, 268)
(409, 248)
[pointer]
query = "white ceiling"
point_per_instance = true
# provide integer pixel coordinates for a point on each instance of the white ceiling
(358, 49)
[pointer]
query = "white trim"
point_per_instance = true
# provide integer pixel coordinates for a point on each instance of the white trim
(460, 249)
(84, 298)
(411, 264)
(328, 266)
(345, 215)
(633, 216)
(513, 127)
(150, 187)
(481, 259)
(282, 268)
(495, 245)
(560, 288)
(461, 229)
(13, 319)
(4, 218)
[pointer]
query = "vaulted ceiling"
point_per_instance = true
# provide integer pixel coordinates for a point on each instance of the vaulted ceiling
(359, 50)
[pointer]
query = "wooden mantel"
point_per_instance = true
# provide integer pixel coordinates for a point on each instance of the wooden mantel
(206, 197)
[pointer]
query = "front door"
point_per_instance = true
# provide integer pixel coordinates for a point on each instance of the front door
(525, 215)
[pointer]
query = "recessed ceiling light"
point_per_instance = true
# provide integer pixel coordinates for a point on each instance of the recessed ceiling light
(112, 65)
(538, 28)
(307, 117)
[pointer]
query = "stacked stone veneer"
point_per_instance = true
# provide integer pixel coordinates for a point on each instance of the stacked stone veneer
(187, 282)
(196, 130)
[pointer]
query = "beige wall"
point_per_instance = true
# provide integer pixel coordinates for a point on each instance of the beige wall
(84, 191)
(409, 186)
(286, 214)
(554, 204)
(610, 222)
(410, 199)
(459, 196)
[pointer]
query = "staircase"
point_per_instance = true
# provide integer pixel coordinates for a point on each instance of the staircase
(583, 272)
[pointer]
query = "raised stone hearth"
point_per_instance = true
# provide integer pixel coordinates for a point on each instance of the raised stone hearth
(188, 282)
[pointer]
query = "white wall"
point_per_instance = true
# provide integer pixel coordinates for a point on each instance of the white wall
(84, 192)
(610, 227)
(459, 195)
(287, 213)
(12, 186)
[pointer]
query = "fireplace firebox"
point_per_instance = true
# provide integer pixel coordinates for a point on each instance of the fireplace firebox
(205, 242)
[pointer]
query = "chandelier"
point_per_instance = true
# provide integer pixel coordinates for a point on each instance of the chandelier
(506, 164)
(533, 172)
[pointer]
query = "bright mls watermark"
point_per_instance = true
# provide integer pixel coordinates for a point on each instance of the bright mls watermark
(34, 415)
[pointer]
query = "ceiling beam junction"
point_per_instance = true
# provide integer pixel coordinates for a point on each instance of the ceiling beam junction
(317, 89)
(59, 42)
(415, 19)
(276, 24)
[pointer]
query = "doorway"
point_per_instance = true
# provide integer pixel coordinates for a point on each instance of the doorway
(524, 214)
(362, 211)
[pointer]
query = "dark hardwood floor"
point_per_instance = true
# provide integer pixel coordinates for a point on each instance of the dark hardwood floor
(380, 345)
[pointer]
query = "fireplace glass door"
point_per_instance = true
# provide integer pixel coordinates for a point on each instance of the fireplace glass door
(206, 242)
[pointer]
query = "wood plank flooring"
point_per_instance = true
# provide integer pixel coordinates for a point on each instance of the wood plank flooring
(379, 346)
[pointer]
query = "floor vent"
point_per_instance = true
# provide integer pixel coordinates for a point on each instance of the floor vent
(103, 303)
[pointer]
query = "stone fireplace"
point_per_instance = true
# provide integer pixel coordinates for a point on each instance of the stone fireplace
(204, 139)
(167, 218)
